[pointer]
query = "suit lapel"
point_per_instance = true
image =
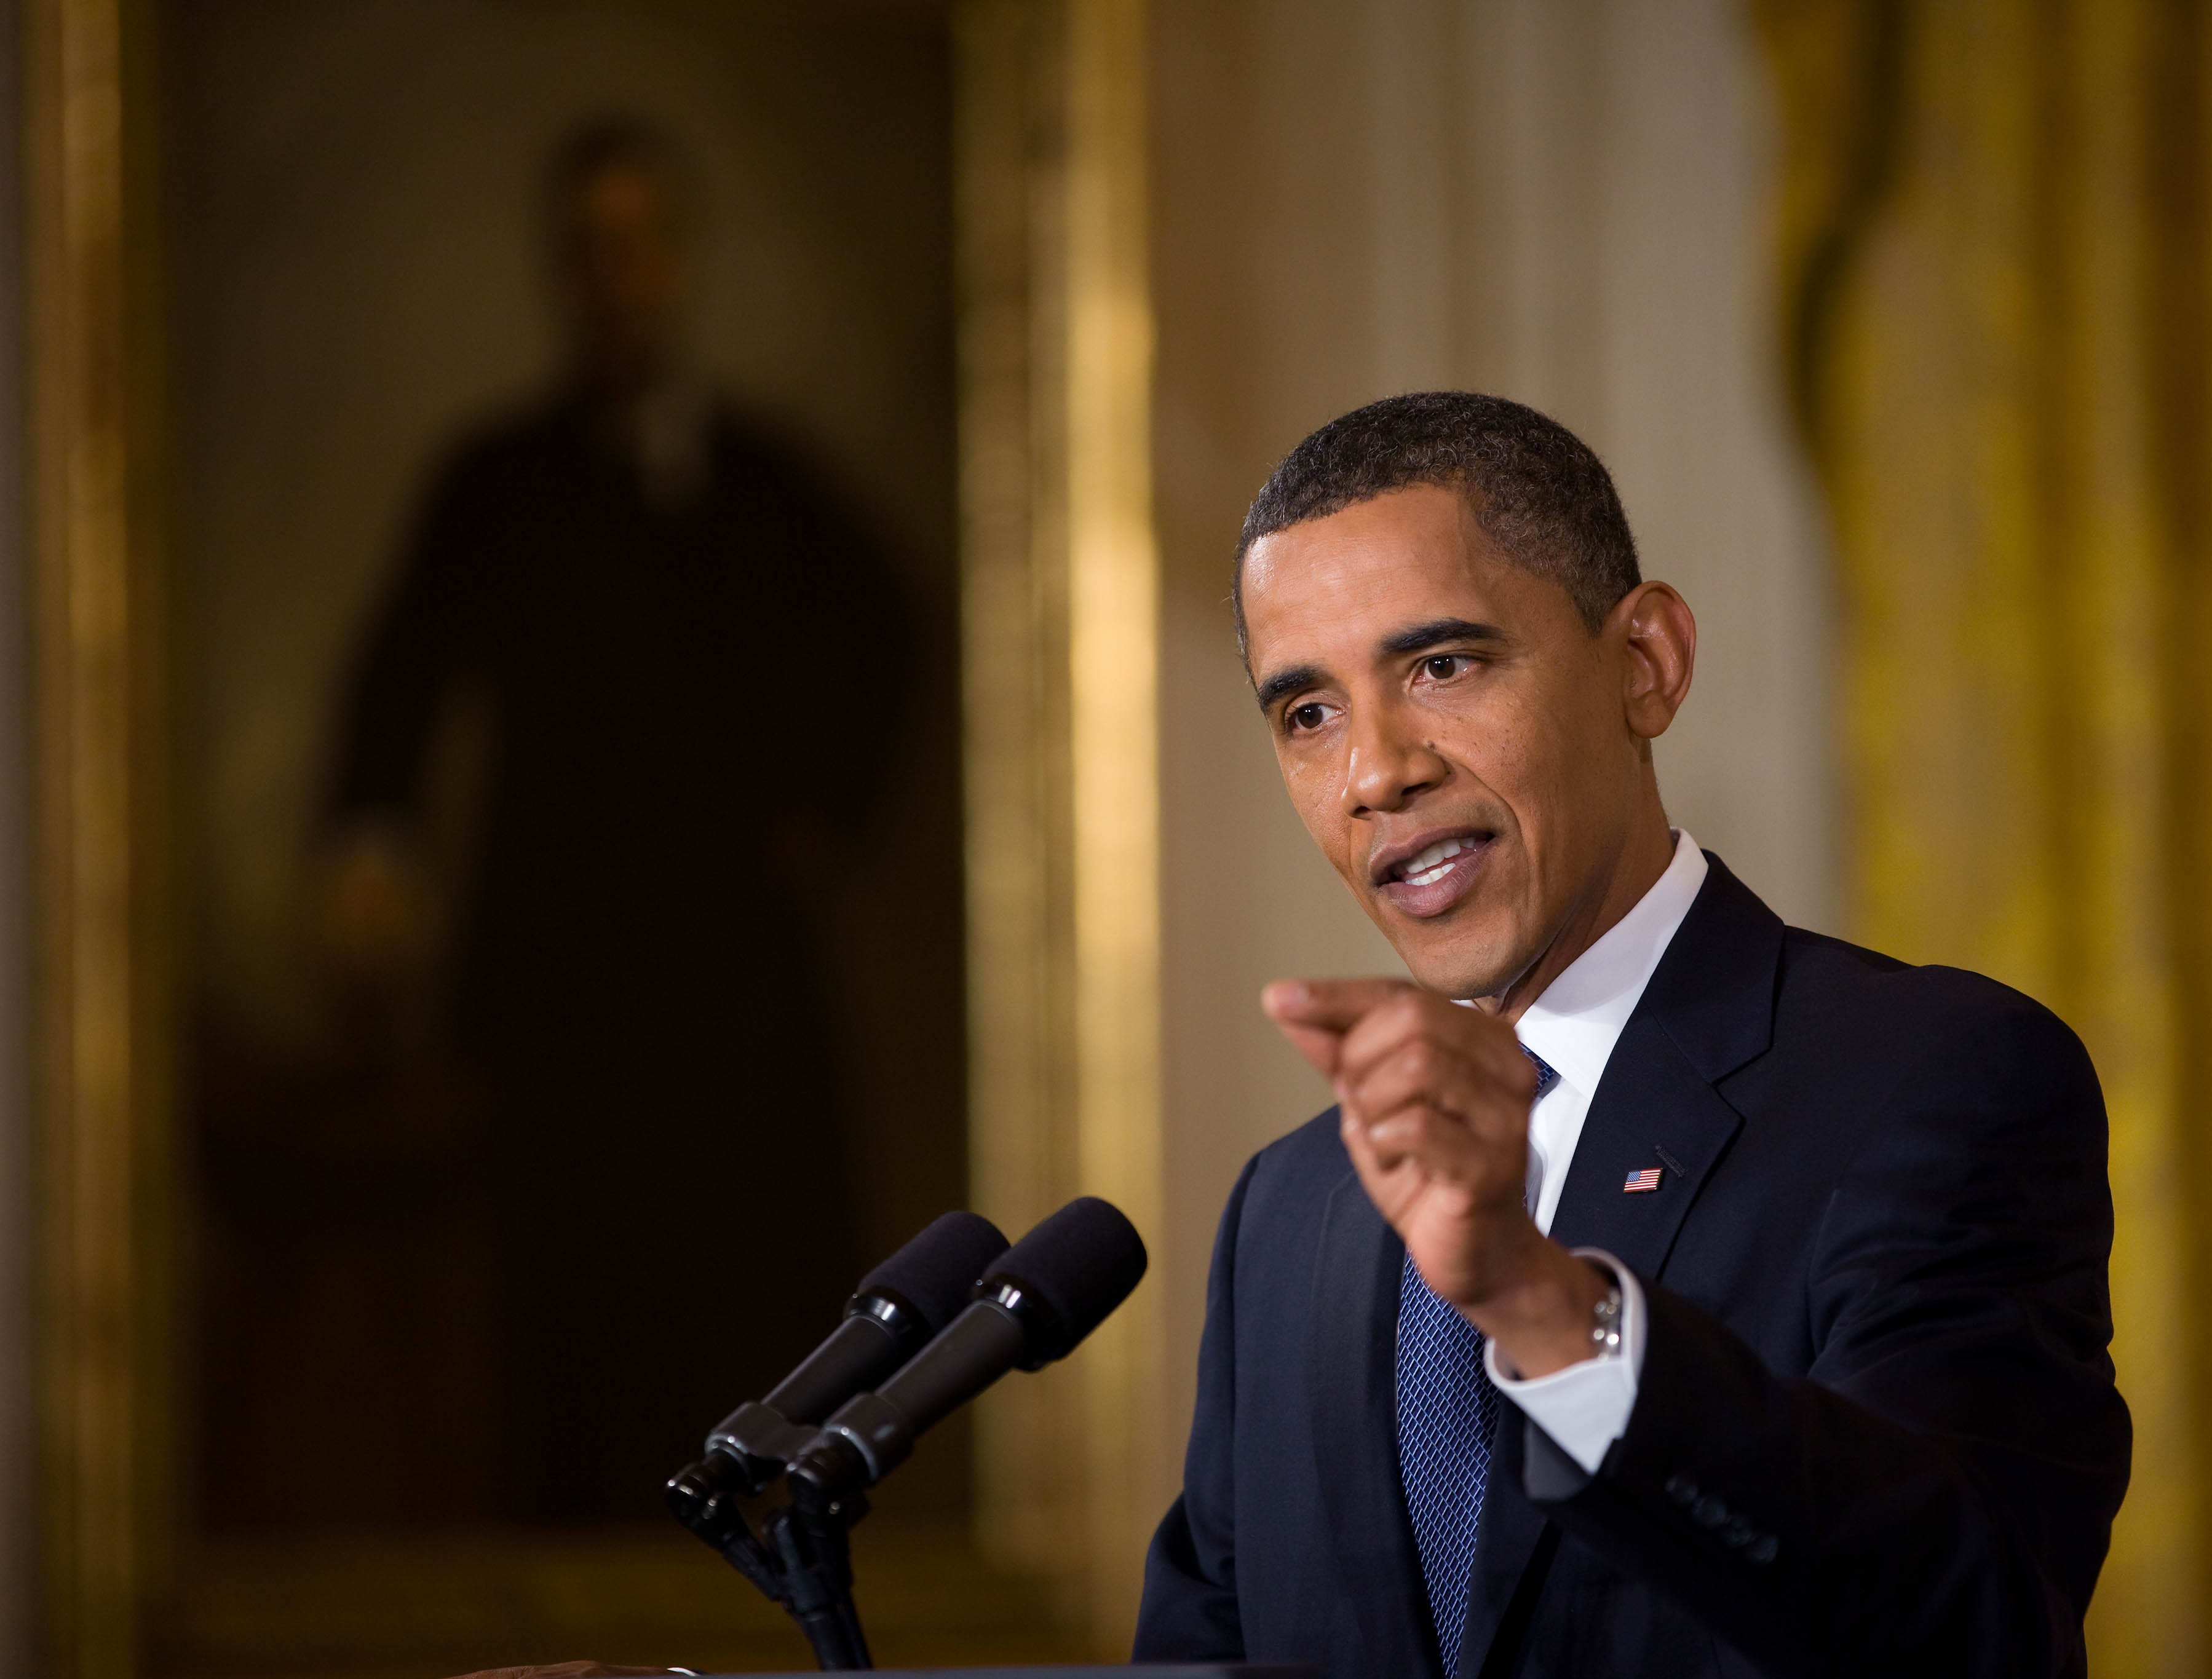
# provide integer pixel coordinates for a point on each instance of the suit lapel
(1650, 1099)
(1708, 1009)
(1354, 1389)
(1652, 1109)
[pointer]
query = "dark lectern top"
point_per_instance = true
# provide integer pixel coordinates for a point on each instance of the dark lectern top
(1219, 1672)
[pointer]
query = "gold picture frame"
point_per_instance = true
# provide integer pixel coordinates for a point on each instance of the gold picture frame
(1059, 649)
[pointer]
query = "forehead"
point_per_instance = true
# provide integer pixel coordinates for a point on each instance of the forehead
(1409, 556)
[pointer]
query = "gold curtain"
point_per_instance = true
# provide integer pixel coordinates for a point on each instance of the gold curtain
(1994, 241)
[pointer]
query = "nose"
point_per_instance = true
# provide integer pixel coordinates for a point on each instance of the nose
(1388, 766)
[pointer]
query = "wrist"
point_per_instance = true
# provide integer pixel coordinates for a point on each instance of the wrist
(1549, 1315)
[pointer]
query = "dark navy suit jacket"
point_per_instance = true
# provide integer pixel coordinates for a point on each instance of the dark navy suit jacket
(1875, 1432)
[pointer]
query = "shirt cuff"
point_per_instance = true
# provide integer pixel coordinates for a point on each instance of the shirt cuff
(1585, 1407)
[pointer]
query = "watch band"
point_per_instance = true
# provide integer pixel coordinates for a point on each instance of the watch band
(1605, 1322)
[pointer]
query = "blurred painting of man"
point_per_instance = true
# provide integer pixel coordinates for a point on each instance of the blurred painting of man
(630, 585)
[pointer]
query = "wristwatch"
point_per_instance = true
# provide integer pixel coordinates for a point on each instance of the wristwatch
(1605, 1324)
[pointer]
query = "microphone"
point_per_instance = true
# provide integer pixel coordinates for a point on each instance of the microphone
(1035, 1305)
(895, 1312)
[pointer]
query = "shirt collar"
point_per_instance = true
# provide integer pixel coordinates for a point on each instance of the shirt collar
(1574, 1025)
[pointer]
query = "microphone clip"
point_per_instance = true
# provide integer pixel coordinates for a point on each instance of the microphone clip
(801, 1559)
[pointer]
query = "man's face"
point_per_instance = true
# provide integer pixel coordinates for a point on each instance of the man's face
(1455, 737)
(624, 268)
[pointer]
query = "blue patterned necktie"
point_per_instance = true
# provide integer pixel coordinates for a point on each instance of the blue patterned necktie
(1447, 1419)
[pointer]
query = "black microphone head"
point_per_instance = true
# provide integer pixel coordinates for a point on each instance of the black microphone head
(1078, 1265)
(935, 1273)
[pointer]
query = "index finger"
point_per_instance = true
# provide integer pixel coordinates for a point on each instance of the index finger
(1332, 1005)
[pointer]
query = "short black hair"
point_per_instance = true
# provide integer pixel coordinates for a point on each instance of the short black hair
(1537, 490)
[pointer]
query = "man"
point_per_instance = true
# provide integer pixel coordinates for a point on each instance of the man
(632, 584)
(1708, 1297)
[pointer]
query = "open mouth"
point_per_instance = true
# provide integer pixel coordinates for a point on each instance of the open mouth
(1432, 864)
(1431, 880)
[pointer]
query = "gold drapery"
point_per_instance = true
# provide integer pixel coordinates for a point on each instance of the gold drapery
(1997, 297)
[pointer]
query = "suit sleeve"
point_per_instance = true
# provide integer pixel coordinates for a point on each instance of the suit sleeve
(1936, 1495)
(827, 573)
(427, 625)
(1189, 1611)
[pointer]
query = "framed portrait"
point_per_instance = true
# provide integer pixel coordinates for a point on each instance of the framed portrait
(560, 623)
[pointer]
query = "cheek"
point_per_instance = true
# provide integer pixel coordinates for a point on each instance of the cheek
(1502, 737)
(1314, 782)
(1570, 770)
(1522, 746)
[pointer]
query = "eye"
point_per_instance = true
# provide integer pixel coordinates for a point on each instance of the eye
(1310, 716)
(1443, 667)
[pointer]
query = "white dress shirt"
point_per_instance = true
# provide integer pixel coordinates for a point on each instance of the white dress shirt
(1572, 1027)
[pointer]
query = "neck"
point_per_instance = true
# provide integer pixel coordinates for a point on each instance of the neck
(1610, 896)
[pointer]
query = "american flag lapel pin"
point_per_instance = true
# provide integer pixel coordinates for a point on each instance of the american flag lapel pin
(1642, 1183)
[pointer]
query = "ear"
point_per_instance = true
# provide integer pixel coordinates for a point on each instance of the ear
(1660, 637)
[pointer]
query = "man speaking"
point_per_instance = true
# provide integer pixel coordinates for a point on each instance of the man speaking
(1670, 1292)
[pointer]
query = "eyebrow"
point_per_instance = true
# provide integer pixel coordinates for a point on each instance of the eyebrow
(1285, 683)
(1415, 638)
(1419, 638)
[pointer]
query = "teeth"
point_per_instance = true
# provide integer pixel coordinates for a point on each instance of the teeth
(1428, 868)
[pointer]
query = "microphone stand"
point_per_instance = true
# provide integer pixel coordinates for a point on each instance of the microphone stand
(802, 1559)
(1089, 1257)
(817, 1569)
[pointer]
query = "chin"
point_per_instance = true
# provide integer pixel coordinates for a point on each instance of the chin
(1459, 971)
